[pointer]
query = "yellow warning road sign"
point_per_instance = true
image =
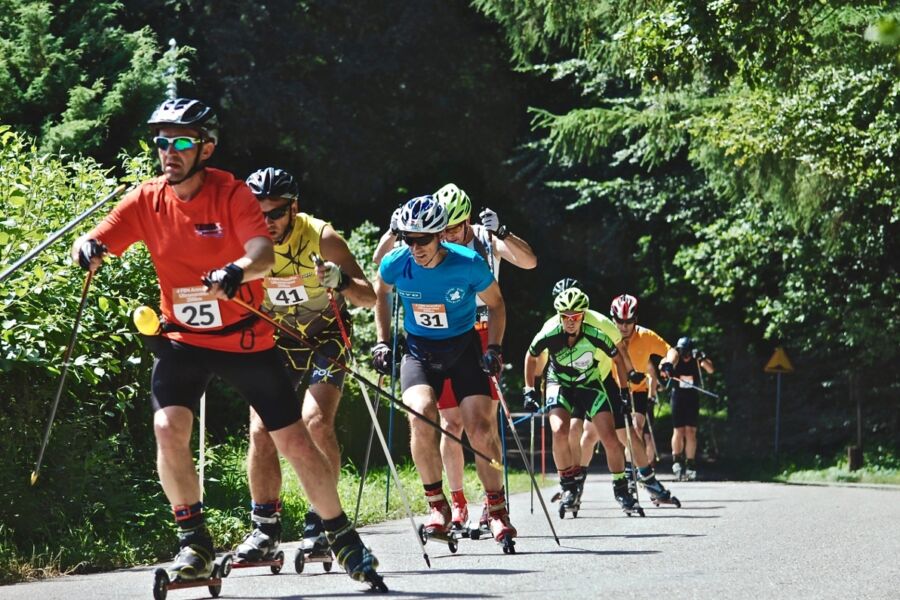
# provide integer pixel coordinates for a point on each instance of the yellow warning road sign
(779, 363)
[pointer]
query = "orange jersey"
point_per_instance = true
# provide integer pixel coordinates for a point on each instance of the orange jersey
(187, 240)
(642, 343)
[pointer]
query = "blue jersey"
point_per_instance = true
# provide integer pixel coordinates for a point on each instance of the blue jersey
(438, 303)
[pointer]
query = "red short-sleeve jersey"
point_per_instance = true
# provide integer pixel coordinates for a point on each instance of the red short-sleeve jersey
(187, 240)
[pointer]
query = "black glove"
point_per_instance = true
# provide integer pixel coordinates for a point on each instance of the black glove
(90, 249)
(228, 277)
(625, 397)
(699, 354)
(382, 358)
(667, 370)
(493, 360)
(532, 402)
(635, 377)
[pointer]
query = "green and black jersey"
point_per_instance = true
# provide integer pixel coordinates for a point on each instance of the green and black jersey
(585, 363)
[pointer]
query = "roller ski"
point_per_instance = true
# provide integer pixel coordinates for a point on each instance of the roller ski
(260, 546)
(195, 566)
(315, 547)
(481, 528)
(658, 494)
(629, 504)
(438, 526)
(569, 500)
(355, 558)
(502, 530)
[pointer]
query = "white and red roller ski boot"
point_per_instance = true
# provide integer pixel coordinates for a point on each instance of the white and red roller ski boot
(658, 493)
(438, 525)
(501, 528)
(459, 514)
(356, 559)
(482, 527)
(629, 504)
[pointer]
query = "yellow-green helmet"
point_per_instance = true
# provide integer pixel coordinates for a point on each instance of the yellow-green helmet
(456, 202)
(571, 300)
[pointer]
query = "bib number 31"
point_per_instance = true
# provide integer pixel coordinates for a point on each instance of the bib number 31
(195, 307)
(431, 316)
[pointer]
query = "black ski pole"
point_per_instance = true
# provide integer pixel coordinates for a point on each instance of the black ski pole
(62, 379)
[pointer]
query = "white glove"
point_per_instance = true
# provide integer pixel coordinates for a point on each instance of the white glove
(395, 221)
(331, 276)
(489, 220)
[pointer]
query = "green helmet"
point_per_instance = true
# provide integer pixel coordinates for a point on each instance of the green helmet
(571, 300)
(456, 202)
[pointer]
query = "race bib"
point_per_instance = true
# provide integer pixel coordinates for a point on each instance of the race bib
(285, 291)
(196, 307)
(686, 381)
(432, 316)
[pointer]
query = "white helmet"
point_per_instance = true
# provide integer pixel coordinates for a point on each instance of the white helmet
(423, 215)
(624, 307)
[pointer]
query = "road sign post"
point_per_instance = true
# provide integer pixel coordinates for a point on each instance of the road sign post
(778, 364)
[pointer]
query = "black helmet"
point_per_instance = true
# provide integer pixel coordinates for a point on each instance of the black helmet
(273, 183)
(564, 284)
(186, 112)
(684, 344)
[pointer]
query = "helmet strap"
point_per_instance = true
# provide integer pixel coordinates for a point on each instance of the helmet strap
(196, 168)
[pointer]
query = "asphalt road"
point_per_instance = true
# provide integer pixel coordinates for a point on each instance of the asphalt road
(729, 540)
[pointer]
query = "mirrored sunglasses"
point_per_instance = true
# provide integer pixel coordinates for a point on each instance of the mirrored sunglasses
(180, 143)
(571, 316)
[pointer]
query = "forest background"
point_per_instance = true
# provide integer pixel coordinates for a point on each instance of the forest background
(731, 163)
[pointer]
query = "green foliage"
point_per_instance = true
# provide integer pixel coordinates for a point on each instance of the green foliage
(881, 465)
(73, 74)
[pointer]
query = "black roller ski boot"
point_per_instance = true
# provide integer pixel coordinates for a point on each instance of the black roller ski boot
(260, 546)
(629, 504)
(632, 481)
(315, 547)
(195, 565)
(580, 479)
(658, 494)
(569, 502)
(356, 559)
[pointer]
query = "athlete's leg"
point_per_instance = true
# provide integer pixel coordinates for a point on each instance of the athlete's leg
(263, 467)
(589, 440)
(172, 427)
(480, 426)
(576, 432)
(451, 452)
(690, 442)
(559, 425)
(615, 452)
(678, 441)
(320, 405)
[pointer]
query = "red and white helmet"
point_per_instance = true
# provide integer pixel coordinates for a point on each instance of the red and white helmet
(624, 307)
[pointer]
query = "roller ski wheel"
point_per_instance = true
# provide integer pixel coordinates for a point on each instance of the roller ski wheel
(480, 531)
(275, 563)
(299, 560)
(458, 530)
(439, 536)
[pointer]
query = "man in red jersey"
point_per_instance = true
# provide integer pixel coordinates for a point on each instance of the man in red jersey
(209, 243)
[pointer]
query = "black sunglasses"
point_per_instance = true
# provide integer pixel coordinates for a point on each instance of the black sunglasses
(420, 240)
(277, 213)
(625, 321)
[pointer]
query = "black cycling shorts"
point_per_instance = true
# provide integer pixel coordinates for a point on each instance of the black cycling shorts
(181, 373)
(431, 362)
(640, 405)
(685, 409)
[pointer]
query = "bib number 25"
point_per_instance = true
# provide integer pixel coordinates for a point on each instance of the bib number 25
(196, 308)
